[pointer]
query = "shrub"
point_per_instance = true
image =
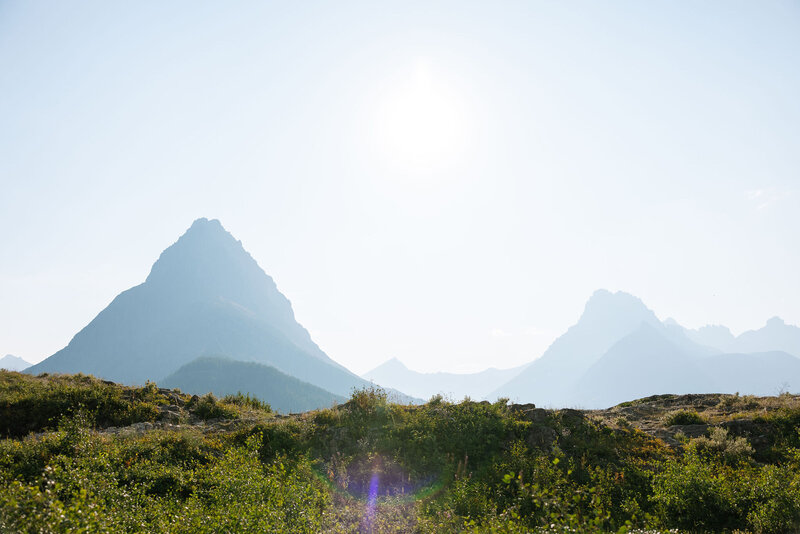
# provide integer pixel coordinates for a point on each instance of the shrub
(692, 495)
(723, 447)
(207, 407)
(33, 404)
(684, 417)
(246, 401)
(284, 438)
(776, 495)
(367, 400)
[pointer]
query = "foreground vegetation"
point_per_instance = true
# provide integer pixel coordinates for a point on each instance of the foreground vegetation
(83, 455)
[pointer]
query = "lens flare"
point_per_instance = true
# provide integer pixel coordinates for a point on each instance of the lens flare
(372, 499)
(376, 485)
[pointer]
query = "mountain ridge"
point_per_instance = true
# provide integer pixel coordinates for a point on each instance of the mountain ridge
(619, 349)
(10, 362)
(223, 376)
(205, 295)
(775, 335)
(606, 318)
(394, 373)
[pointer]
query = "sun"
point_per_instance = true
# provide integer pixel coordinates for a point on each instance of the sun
(422, 122)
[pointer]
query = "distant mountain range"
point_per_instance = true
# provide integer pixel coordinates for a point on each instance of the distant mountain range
(10, 362)
(454, 386)
(205, 296)
(619, 350)
(775, 335)
(208, 318)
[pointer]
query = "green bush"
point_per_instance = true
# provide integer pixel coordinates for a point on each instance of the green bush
(247, 401)
(208, 407)
(693, 495)
(775, 497)
(31, 404)
(684, 417)
(723, 447)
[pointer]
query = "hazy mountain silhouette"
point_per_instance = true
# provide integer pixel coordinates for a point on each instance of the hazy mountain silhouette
(766, 373)
(456, 386)
(9, 362)
(716, 335)
(223, 376)
(642, 363)
(776, 335)
(550, 380)
(620, 351)
(204, 296)
(645, 363)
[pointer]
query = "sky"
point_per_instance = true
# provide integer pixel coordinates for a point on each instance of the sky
(442, 182)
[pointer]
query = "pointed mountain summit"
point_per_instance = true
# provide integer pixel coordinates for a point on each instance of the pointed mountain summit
(619, 350)
(607, 318)
(205, 296)
(9, 362)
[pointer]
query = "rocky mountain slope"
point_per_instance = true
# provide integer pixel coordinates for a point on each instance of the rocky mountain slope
(204, 296)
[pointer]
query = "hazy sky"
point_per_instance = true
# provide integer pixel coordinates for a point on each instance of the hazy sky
(444, 182)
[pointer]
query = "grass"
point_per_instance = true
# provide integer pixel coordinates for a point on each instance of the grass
(369, 465)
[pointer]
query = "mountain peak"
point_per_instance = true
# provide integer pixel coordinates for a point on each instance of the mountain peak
(204, 253)
(204, 224)
(604, 302)
(391, 368)
(776, 321)
(601, 294)
(203, 228)
(13, 363)
(204, 296)
(394, 364)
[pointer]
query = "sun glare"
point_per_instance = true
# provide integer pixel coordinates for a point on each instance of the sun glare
(422, 122)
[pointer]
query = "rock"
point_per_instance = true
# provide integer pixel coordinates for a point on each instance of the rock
(142, 427)
(171, 417)
(569, 414)
(171, 413)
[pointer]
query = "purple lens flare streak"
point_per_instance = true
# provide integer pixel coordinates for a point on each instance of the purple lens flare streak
(372, 498)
